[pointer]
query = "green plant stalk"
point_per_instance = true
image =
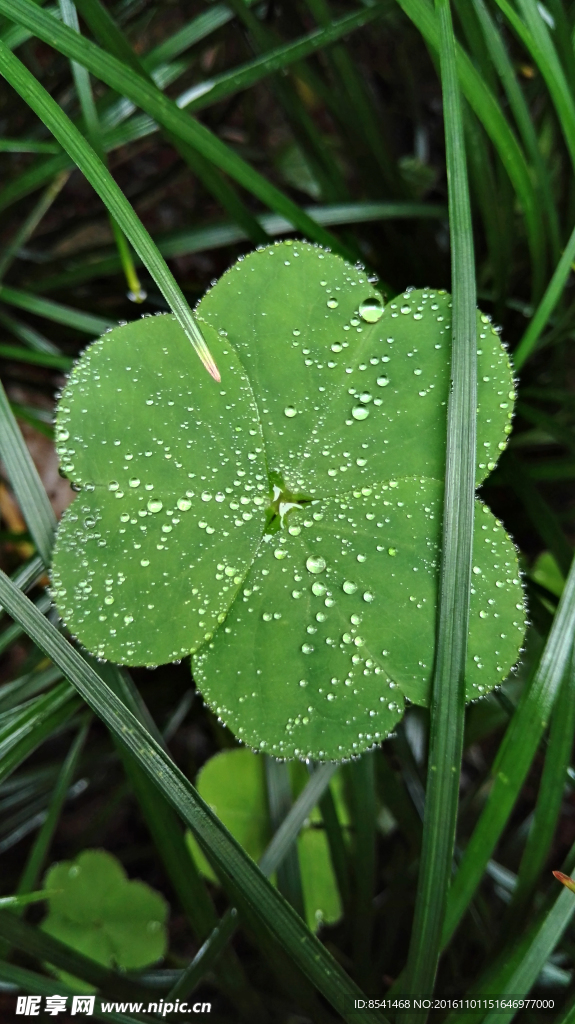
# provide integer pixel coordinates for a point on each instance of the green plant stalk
(514, 756)
(30, 223)
(545, 308)
(101, 180)
(279, 797)
(235, 868)
(448, 695)
(549, 799)
(541, 515)
(55, 311)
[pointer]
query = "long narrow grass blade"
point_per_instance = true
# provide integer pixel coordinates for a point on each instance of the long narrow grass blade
(39, 984)
(93, 169)
(38, 853)
(231, 861)
(39, 944)
(55, 311)
(30, 223)
(540, 949)
(534, 34)
(489, 112)
(181, 243)
(108, 34)
(448, 701)
(549, 799)
(520, 109)
(515, 756)
(545, 308)
(30, 727)
(163, 110)
(25, 480)
(283, 838)
(279, 804)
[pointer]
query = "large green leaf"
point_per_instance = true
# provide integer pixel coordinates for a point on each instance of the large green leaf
(299, 502)
(233, 784)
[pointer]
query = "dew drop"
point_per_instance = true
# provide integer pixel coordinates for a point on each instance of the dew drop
(134, 481)
(383, 381)
(307, 648)
(371, 310)
(113, 485)
(318, 589)
(365, 398)
(392, 551)
(155, 505)
(368, 596)
(349, 587)
(359, 412)
(280, 553)
(332, 303)
(184, 504)
(315, 564)
(290, 412)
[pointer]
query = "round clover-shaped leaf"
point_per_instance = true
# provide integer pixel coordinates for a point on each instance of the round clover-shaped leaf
(95, 909)
(338, 616)
(174, 487)
(284, 526)
(233, 783)
(350, 392)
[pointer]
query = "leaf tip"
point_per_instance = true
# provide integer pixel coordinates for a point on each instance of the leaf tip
(565, 880)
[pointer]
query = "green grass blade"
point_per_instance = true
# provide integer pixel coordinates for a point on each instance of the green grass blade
(287, 832)
(30, 727)
(502, 62)
(25, 480)
(448, 703)
(181, 243)
(549, 799)
(515, 756)
(55, 311)
(39, 984)
(93, 169)
(270, 908)
(27, 146)
(488, 110)
(28, 335)
(23, 355)
(110, 36)
(535, 36)
(361, 778)
(30, 223)
(545, 308)
(37, 856)
(39, 944)
(279, 803)
(540, 949)
(283, 838)
(163, 110)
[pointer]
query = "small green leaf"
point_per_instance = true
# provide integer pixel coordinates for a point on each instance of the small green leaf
(296, 506)
(233, 783)
(96, 910)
